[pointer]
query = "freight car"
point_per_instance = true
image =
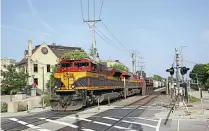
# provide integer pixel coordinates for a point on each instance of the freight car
(83, 82)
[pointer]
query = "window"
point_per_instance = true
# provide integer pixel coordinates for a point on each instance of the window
(35, 81)
(35, 67)
(66, 64)
(48, 68)
(83, 64)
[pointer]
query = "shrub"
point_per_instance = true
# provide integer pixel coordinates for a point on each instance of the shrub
(46, 100)
(22, 108)
(4, 107)
(193, 99)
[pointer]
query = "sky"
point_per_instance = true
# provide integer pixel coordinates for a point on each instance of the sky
(152, 28)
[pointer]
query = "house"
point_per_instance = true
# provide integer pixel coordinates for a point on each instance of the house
(4, 63)
(110, 63)
(38, 62)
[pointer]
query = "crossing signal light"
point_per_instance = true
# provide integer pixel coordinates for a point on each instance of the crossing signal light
(184, 70)
(171, 70)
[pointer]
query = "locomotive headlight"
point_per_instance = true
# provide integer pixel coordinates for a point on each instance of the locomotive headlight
(73, 86)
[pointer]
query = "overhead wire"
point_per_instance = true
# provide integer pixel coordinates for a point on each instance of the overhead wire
(112, 34)
(88, 9)
(101, 9)
(116, 46)
(190, 62)
(94, 9)
(107, 42)
(82, 9)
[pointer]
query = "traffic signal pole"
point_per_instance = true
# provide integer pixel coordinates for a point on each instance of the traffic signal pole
(177, 74)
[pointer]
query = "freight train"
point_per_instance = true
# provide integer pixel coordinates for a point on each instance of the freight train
(158, 84)
(84, 82)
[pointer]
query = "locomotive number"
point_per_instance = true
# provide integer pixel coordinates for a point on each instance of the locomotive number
(69, 75)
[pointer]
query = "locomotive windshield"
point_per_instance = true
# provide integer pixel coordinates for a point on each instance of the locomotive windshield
(66, 64)
(81, 64)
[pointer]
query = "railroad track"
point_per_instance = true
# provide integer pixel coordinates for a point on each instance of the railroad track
(142, 102)
(52, 114)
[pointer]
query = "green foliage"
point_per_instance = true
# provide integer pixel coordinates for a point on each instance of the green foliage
(193, 99)
(120, 67)
(22, 107)
(13, 81)
(75, 54)
(144, 75)
(207, 68)
(170, 79)
(46, 100)
(157, 77)
(4, 107)
(55, 68)
(202, 72)
(93, 51)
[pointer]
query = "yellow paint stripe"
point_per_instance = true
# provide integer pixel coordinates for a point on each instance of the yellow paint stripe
(93, 88)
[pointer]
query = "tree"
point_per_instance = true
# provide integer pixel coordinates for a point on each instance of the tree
(54, 69)
(75, 54)
(120, 67)
(200, 71)
(207, 81)
(170, 79)
(143, 74)
(207, 68)
(13, 81)
(157, 77)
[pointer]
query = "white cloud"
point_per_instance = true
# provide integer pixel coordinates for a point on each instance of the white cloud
(40, 20)
(24, 30)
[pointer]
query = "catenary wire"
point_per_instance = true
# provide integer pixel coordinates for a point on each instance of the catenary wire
(112, 34)
(101, 9)
(82, 9)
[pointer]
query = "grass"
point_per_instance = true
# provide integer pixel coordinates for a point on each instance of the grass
(193, 99)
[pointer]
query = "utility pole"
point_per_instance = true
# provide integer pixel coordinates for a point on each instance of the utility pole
(91, 24)
(43, 78)
(133, 55)
(182, 59)
(177, 72)
(133, 61)
(141, 66)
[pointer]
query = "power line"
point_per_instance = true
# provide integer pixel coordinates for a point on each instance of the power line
(108, 42)
(88, 9)
(82, 9)
(108, 38)
(190, 62)
(101, 9)
(113, 35)
(94, 9)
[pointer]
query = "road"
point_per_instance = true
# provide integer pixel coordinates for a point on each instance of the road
(108, 118)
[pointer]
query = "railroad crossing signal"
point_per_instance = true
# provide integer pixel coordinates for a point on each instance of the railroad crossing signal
(184, 70)
(171, 70)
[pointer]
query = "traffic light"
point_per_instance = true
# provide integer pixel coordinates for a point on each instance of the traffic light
(184, 70)
(171, 70)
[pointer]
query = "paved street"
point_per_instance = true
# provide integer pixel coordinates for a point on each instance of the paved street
(108, 118)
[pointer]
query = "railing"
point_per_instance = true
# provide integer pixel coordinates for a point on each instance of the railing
(39, 92)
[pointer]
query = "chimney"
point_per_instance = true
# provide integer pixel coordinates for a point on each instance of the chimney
(29, 65)
(117, 61)
(29, 47)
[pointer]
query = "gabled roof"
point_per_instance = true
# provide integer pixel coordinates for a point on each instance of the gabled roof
(56, 49)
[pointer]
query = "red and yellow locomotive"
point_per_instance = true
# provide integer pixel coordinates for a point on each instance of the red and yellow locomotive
(83, 82)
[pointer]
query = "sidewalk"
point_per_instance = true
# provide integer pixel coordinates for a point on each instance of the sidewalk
(196, 94)
(194, 112)
(24, 113)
